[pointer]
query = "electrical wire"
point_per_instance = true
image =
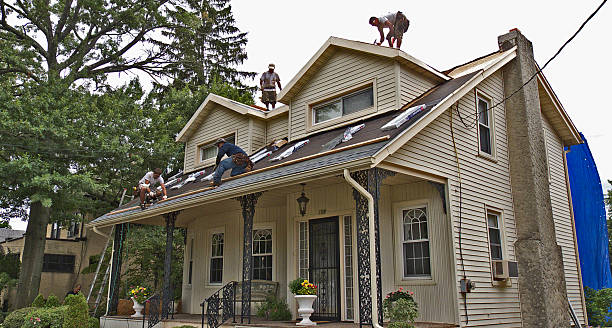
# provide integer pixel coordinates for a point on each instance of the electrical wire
(538, 71)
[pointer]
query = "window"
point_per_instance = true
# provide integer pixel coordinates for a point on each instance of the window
(485, 140)
(262, 254)
(348, 267)
(303, 255)
(344, 105)
(73, 231)
(209, 151)
(55, 231)
(495, 240)
(415, 243)
(190, 273)
(58, 263)
(216, 258)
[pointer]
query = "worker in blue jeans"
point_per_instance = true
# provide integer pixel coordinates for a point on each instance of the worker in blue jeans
(238, 161)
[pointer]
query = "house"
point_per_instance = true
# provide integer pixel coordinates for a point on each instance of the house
(446, 190)
(68, 250)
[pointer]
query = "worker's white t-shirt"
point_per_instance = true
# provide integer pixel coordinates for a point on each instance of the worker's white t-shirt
(152, 181)
(388, 17)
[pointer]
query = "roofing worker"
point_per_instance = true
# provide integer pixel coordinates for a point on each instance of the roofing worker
(396, 23)
(269, 80)
(151, 179)
(238, 161)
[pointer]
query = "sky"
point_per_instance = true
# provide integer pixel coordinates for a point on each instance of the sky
(444, 34)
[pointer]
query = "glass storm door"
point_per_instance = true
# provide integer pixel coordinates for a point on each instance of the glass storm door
(324, 267)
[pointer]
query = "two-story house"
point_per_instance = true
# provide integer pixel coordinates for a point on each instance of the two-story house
(395, 175)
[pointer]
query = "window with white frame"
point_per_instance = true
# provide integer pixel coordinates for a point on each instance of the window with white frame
(348, 267)
(495, 236)
(262, 254)
(485, 135)
(216, 258)
(344, 105)
(209, 151)
(303, 255)
(415, 243)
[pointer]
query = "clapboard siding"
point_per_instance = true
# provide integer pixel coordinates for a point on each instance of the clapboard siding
(277, 128)
(258, 134)
(412, 85)
(485, 183)
(561, 215)
(219, 122)
(343, 71)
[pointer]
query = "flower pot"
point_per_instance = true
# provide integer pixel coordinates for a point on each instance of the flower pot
(305, 309)
(138, 308)
(175, 306)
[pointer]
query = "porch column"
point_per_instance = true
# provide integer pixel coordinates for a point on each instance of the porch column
(167, 288)
(371, 180)
(247, 202)
(116, 262)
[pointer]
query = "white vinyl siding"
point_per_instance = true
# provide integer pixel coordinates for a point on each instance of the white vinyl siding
(277, 128)
(412, 85)
(483, 182)
(258, 134)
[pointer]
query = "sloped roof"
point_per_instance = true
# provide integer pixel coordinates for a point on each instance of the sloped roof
(6, 234)
(333, 44)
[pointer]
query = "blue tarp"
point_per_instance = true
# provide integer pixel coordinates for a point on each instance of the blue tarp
(590, 217)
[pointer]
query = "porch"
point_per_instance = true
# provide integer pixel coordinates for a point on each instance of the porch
(263, 236)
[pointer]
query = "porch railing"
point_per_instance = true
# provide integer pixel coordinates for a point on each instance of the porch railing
(220, 306)
(154, 310)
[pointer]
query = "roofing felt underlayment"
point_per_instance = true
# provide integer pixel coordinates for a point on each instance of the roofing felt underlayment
(365, 143)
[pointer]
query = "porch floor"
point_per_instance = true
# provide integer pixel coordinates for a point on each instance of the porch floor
(195, 320)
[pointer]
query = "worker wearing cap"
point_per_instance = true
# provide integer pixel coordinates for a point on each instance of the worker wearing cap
(238, 161)
(269, 80)
(397, 24)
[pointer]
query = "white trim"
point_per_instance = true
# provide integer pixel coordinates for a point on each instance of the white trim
(504, 244)
(478, 95)
(209, 233)
(271, 226)
(398, 263)
(560, 110)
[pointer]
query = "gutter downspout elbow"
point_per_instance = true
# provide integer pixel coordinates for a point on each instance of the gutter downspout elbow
(95, 229)
(372, 236)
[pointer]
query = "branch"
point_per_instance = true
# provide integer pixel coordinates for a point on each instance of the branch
(122, 51)
(62, 21)
(19, 70)
(21, 35)
(28, 15)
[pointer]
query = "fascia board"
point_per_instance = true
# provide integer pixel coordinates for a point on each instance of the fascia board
(576, 139)
(181, 137)
(440, 108)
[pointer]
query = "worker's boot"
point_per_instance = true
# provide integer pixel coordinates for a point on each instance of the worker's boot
(142, 206)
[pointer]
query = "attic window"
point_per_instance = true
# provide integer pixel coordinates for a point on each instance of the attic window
(208, 151)
(344, 105)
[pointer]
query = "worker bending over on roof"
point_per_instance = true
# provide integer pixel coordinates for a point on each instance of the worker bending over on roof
(238, 161)
(396, 23)
(151, 179)
(269, 80)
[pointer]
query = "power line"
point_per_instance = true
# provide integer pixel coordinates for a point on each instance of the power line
(473, 124)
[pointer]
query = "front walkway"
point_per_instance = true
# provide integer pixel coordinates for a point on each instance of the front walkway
(195, 321)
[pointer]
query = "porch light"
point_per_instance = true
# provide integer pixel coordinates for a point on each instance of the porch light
(303, 201)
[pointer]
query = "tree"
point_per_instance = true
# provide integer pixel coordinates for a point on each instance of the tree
(58, 151)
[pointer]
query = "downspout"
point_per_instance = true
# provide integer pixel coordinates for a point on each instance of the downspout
(372, 237)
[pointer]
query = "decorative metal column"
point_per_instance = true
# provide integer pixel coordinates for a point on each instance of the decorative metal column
(167, 296)
(247, 202)
(115, 277)
(371, 180)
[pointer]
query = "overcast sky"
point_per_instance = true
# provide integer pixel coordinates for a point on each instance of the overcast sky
(447, 33)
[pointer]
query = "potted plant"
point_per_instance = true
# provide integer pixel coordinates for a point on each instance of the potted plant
(177, 300)
(401, 308)
(138, 295)
(305, 295)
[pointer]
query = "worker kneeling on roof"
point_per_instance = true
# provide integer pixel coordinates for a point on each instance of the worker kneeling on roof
(238, 161)
(150, 180)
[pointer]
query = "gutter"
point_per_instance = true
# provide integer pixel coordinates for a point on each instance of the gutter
(95, 229)
(372, 237)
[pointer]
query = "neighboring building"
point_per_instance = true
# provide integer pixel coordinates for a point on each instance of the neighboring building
(68, 251)
(10, 234)
(455, 193)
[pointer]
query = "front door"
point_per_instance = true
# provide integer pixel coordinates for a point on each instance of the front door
(324, 267)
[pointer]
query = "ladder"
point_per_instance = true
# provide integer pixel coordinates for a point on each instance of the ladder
(106, 274)
(573, 316)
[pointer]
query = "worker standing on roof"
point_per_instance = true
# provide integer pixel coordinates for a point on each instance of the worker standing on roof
(269, 80)
(151, 179)
(238, 161)
(396, 23)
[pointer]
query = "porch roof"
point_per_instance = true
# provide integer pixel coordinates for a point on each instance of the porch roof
(309, 161)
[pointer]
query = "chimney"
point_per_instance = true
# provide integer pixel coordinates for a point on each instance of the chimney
(541, 276)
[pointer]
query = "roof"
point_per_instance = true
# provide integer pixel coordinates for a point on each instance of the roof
(333, 44)
(240, 108)
(555, 113)
(6, 234)
(310, 158)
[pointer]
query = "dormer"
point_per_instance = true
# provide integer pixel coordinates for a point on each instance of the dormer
(347, 81)
(249, 127)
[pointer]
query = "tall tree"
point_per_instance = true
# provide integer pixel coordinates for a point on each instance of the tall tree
(60, 147)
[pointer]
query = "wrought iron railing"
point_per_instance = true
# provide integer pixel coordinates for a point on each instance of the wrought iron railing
(152, 311)
(220, 306)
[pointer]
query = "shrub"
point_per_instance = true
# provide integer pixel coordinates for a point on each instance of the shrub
(76, 313)
(39, 301)
(16, 318)
(274, 309)
(45, 317)
(94, 322)
(52, 301)
(401, 309)
(598, 306)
